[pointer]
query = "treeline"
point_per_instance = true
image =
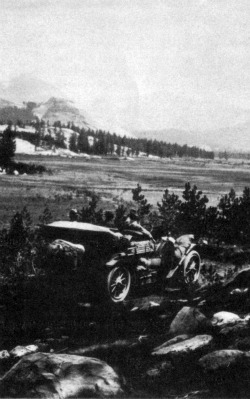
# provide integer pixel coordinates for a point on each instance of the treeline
(22, 250)
(17, 115)
(104, 143)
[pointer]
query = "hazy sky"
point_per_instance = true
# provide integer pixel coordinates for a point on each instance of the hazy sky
(144, 64)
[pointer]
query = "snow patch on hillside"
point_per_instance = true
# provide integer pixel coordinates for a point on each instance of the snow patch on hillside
(24, 147)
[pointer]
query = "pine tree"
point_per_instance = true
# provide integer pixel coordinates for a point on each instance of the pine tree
(142, 203)
(46, 216)
(73, 142)
(193, 210)
(7, 147)
(83, 143)
(60, 139)
(169, 210)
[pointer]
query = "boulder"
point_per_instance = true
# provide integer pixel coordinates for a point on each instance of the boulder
(60, 376)
(220, 359)
(4, 355)
(229, 333)
(224, 318)
(189, 320)
(175, 340)
(192, 347)
(20, 351)
(227, 370)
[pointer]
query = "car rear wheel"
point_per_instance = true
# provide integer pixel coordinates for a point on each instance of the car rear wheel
(119, 283)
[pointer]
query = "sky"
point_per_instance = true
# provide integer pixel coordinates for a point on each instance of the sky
(142, 64)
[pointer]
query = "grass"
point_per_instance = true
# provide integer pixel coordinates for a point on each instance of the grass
(113, 180)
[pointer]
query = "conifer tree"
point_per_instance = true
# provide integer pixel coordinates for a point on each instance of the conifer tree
(7, 146)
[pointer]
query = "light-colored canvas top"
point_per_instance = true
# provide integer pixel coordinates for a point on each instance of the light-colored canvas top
(83, 227)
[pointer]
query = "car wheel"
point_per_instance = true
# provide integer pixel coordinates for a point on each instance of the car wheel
(119, 283)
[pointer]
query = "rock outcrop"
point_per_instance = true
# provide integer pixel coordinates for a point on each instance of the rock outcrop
(187, 348)
(189, 320)
(60, 376)
(224, 318)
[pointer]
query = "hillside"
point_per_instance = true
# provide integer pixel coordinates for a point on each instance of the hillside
(53, 110)
(59, 109)
(25, 97)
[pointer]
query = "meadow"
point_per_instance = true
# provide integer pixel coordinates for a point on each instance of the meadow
(71, 180)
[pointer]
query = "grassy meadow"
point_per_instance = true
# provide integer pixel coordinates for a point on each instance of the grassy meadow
(71, 180)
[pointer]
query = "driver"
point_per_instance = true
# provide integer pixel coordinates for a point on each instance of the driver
(132, 223)
(73, 215)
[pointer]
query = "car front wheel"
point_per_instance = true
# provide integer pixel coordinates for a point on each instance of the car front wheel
(119, 283)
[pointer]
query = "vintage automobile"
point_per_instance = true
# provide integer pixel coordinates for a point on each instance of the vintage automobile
(126, 261)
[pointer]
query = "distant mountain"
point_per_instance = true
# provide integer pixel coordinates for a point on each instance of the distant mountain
(59, 109)
(52, 110)
(50, 104)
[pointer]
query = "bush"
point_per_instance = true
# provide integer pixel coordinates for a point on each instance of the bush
(29, 169)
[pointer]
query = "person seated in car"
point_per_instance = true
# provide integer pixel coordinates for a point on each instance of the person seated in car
(73, 215)
(170, 253)
(132, 223)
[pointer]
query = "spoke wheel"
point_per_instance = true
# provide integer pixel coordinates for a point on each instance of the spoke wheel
(119, 283)
(192, 265)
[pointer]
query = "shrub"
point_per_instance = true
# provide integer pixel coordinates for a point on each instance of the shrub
(29, 169)
(90, 214)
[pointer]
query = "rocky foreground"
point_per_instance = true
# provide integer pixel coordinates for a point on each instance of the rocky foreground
(173, 347)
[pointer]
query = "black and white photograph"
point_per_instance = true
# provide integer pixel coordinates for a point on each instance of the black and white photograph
(125, 199)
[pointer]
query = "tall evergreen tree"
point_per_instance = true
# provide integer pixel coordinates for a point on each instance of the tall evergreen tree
(73, 142)
(60, 139)
(83, 143)
(7, 146)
